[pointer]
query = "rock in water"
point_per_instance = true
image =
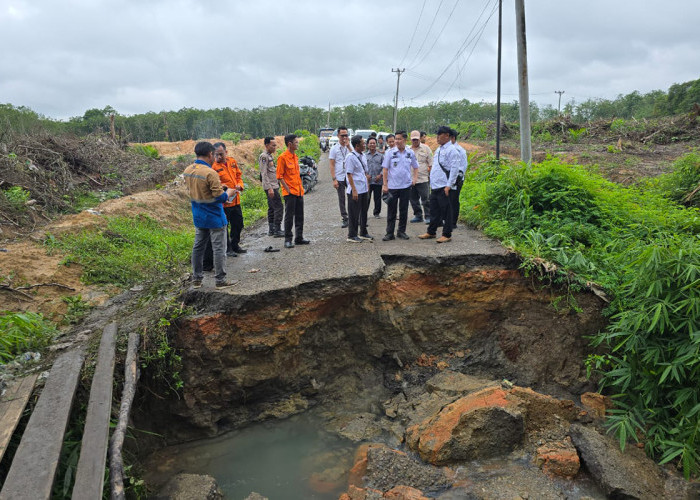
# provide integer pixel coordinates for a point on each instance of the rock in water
(190, 487)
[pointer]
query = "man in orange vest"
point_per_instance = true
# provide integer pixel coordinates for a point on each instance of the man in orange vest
(293, 192)
(230, 176)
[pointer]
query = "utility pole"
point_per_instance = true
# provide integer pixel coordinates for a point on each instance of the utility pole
(396, 98)
(560, 92)
(328, 119)
(525, 140)
(498, 84)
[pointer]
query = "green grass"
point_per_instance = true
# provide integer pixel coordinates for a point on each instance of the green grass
(22, 332)
(254, 205)
(644, 249)
(127, 250)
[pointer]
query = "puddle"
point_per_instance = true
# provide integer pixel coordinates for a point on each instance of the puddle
(289, 459)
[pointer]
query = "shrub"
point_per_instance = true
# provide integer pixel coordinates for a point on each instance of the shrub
(16, 197)
(21, 332)
(146, 150)
(683, 184)
(645, 250)
(234, 137)
(308, 146)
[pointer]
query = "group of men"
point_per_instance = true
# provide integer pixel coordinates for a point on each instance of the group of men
(398, 175)
(430, 181)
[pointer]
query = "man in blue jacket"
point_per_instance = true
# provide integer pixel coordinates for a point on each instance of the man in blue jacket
(207, 197)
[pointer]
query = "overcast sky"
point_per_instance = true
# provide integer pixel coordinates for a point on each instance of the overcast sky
(61, 58)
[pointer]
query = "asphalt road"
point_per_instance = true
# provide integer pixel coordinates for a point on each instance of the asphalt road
(330, 256)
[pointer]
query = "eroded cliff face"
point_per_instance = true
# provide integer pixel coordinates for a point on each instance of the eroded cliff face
(247, 358)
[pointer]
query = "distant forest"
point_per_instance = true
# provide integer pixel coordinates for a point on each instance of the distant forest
(190, 123)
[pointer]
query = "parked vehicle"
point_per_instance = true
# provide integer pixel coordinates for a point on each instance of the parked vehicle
(366, 133)
(324, 135)
(308, 172)
(334, 137)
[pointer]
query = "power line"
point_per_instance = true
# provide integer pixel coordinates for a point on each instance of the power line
(414, 32)
(427, 33)
(442, 30)
(461, 49)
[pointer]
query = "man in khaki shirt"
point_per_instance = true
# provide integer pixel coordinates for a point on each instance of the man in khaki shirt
(420, 192)
(268, 175)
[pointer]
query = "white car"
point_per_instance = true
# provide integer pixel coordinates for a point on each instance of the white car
(366, 133)
(334, 137)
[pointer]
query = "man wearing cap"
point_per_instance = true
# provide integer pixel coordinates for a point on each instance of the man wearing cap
(336, 158)
(463, 163)
(400, 171)
(443, 176)
(420, 192)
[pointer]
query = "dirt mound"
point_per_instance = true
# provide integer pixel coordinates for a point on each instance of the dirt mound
(57, 171)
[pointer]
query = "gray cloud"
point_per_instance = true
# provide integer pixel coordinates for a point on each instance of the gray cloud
(65, 57)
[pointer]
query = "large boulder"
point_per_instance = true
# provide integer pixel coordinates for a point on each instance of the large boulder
(620, 475)
(481, 425)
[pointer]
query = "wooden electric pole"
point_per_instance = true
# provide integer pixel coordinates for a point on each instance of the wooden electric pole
(396, 98)
(560, 92)
(498, 83)
(328, 119)
(525, 140)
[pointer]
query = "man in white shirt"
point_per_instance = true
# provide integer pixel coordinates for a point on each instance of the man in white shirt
(400, 170)
(443, 176)
(358, 191)
(463, 162)
(336, 158)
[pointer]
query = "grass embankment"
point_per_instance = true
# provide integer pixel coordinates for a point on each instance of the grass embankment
(644, 250)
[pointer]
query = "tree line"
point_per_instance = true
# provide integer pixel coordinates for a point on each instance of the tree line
(192, 123)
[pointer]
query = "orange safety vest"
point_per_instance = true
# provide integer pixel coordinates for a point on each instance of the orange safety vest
(231, 176)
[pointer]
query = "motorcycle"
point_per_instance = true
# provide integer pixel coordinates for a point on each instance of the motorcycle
(308, 172)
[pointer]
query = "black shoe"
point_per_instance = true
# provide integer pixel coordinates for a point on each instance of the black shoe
(344, 224)
(231, 254)
(402, 236)
(301, 241)
(354, 239)
(278, 233)
(288, 244)
(366, 237)
(377, 216)
(416, 219)
(207, 269)
(388, 237)
(240, 250)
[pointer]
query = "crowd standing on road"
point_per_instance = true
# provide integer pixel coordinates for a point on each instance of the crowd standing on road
(380, 168)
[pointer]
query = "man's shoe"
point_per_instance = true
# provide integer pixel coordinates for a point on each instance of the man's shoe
(278, 233)
(197, 284)
(402, 236)
(443, 239)
(366, 237)
(288, 244)
(240, 250)
(207, 269)
(427, 220)
(224, 284)
(301, 241)
(426, 236)
(354, 239)
(417, 219)
(388, 237)
(344, 224)
(231, 253)
(377, 216)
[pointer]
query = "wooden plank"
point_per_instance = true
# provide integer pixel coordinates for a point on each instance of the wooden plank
(12, 406)
(89, 479)
(34, 466)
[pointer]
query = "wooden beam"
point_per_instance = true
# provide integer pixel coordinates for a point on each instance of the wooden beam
(12, 407)
(34, 465)
(89, 479)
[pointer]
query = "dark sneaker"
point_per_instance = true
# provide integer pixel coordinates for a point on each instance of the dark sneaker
(366, 237)
(288, 244)
(388, 237)
(427, 220)
(377, 216)
(402, 236)
(240, 250)
(279, 233)
(344, 224)
(224, 284)
(417, 219)
(301, 241)
(231, 254)
(197, 284)
(354, 239)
